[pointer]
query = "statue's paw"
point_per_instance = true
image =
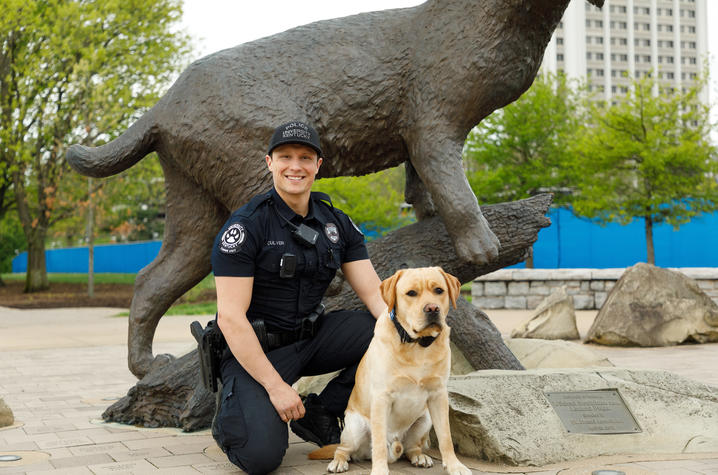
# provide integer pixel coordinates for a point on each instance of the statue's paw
(422, 460)
(480, 250)
(160, 361)
(141, 367)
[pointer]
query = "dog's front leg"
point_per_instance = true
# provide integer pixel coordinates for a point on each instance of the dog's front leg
(439, 410)
(379, 415)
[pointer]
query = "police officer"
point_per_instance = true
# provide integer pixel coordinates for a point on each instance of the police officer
(273, 260)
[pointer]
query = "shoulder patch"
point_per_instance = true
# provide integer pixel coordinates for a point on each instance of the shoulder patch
(232, 239)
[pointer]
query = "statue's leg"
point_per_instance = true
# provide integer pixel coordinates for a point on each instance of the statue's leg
(193, 219)
(416, 194)
(437, 160)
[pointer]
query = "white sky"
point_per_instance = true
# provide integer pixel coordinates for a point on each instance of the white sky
(220, 24)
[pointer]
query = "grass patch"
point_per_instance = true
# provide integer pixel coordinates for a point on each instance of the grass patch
(466, 291)
(61, 278)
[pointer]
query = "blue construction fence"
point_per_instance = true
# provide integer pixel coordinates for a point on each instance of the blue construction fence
(569, 242)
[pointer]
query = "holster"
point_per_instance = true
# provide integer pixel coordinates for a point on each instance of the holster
(210, 346)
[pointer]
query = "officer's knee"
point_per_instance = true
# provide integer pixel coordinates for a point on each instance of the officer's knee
(257, 460)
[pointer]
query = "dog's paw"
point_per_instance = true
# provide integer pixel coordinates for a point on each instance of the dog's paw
(457, 468)
(338, 466)
(422, 460)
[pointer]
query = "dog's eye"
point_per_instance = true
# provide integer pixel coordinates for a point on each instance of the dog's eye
(438, 290)
(411, 293)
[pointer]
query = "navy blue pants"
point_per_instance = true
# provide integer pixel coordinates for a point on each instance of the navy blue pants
(248, 428)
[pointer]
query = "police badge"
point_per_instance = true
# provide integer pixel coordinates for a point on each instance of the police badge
(332, 232)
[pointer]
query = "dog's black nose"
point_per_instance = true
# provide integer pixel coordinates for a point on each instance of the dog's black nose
(432, 314)
(431, 308)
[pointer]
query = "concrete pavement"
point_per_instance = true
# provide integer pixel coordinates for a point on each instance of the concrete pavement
(60, 368)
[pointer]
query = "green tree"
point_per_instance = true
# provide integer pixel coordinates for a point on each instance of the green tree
(646, 157)
(522, 149)
(74, 71)
(373, 201)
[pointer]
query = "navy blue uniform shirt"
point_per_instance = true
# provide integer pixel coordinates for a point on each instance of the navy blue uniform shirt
(251, 244)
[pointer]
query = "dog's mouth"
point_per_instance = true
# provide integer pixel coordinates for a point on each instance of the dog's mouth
(433, 329)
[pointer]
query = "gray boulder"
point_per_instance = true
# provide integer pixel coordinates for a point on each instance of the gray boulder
(535, 354)
(650, 306)
(6, 417)
(505, 417)
(553, 319)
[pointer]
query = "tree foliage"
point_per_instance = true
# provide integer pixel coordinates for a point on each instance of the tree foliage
(373, 201)
(646, 157)
(523, 148)
(74, 71)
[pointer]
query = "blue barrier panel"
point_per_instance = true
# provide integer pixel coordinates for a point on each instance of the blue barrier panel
(572, 242)
(112, 258)
(569, 242)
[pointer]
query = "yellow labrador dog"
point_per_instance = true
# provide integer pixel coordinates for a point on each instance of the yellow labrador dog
(401, 381)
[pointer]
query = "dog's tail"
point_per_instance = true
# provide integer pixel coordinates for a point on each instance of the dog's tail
(324, 453)
(119, 154)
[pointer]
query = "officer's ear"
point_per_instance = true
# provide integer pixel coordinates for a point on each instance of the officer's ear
(268, 160)
(319, 163)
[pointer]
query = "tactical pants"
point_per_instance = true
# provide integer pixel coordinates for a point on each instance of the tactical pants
(248, 428)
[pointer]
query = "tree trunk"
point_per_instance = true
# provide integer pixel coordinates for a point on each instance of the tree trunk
(650, 254)
(172, 395)
(36, 277)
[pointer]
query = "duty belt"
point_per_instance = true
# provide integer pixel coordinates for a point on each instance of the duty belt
(271, 340)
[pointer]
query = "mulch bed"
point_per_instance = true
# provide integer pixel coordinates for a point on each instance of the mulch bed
(66, 295)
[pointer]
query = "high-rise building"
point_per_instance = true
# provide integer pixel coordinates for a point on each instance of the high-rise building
(630, 39)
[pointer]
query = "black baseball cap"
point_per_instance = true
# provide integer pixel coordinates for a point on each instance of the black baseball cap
(296, 133)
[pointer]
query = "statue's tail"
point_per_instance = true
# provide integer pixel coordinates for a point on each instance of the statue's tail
(118, 155)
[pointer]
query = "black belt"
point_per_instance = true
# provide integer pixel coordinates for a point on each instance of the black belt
(271, 340)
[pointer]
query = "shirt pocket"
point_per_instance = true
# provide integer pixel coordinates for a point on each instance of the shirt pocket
(269, 261)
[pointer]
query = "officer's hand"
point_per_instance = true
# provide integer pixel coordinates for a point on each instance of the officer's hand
(287, 402)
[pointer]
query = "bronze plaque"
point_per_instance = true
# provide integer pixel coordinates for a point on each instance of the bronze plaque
(601, 411)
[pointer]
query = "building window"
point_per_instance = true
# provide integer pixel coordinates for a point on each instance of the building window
(559, 57)
(559, 41)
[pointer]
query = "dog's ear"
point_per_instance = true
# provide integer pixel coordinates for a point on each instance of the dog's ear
(453, 284)
(388, 288)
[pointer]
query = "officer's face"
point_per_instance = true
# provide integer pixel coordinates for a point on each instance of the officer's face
(293, 168)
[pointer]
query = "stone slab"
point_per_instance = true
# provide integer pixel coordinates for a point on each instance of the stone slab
(505, 417)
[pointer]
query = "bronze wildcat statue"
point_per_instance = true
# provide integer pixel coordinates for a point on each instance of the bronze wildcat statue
(381, 88)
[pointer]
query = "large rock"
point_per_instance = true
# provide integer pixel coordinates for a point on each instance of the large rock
(553, 319)
(650, 306)
(535, 354)
(6, 417)
(504, 416)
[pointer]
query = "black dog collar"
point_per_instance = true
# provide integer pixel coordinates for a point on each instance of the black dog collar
(424, 341)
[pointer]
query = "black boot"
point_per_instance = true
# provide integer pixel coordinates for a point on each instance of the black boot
(317, 426)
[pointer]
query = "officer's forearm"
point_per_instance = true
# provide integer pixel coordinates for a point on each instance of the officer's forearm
(245, 347)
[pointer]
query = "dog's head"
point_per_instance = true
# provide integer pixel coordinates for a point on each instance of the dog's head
(421, 299)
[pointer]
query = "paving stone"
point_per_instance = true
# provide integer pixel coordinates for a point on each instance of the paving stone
(127, 455)
(83, 460)
(190, 448)
(64, 471)
(117, 437)
(179, 460)
(71, 442)
(132, 467)
(220, 467)
(43, 466)
(97, 449)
